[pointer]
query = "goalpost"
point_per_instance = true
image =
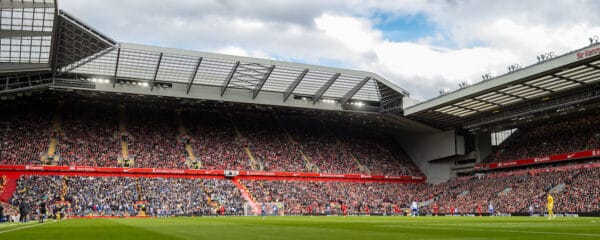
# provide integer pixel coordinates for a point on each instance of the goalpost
(269, 209)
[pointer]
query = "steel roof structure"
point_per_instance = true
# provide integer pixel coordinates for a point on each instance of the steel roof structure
(543, 81)
(150, 64)
(42, 47)
(46, 47)
(26, 34)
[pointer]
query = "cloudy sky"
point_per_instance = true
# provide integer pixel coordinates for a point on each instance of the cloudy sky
(423, 46)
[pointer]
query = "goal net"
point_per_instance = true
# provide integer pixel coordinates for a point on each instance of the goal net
(270, 208)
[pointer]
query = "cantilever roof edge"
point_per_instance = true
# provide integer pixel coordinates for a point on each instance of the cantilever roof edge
(194, 53)
(66, 15)
(549, 65)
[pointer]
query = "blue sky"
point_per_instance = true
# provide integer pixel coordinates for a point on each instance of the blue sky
(404, 27)
(423, 46)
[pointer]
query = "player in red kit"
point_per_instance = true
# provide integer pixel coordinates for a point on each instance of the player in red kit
(344, 210)
(435, 209)
(479, 209)
(222, 210)
(396, 210)
(367, 210)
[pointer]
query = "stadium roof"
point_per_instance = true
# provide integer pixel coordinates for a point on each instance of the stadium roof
(26, 34)
(156, 64)
(541, 81)
(66, 53)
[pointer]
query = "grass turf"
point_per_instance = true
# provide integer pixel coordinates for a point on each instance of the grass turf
(309, 228)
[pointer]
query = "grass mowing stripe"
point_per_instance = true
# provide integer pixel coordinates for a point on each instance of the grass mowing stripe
(146, 228)
(300, 228)
(27, 226)
(496, 230)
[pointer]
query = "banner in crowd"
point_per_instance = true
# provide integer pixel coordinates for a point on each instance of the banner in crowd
(539, 160)
(186, 173)
(543, 170)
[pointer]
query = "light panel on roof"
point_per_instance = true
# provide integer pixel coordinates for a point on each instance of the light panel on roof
(516, 90)
(506, 89)
(487, 108)
(591, 78)
(444, 108)
(476, 105)
(562, 86)
(509, 101)
(549, 84)
(540, 83)
(461, 111)
(450, 110)
(453, 110)
(464, 114)
(528, 92)
(578, 73)
(566, 87)
(539, 80)
(465, 103)
(531, 96)
(485, 96)
(502, 98)
(585, 75)
(575, 69)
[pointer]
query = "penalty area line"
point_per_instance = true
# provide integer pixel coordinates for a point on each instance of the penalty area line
(24, 227)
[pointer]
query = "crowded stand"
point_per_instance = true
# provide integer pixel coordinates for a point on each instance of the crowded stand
(25, 130)
(172, 196)
(152, 138)
(307, 197)
(91, 133)
(320, 146)
(555, 137)
(214, 140)
(574, 190)
(88, 136)
(374, 153)
(123, 196)
(581, 193)
(513, 192)
(269, 143)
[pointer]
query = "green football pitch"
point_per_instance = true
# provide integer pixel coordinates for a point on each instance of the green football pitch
(309, 228)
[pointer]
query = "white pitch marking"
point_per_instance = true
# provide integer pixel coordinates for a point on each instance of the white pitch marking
(27, 226)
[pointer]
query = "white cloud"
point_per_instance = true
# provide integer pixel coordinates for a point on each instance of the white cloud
(413, 65)
(354, 33)
(237, 51)
(471, 38)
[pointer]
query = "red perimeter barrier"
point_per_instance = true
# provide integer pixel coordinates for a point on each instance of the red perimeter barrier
(9, 186)
(539, 160)
(192, 173)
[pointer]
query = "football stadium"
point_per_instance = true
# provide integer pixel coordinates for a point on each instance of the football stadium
(101, 139)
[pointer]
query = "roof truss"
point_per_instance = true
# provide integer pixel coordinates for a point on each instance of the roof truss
(324, 88)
